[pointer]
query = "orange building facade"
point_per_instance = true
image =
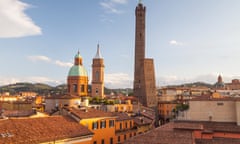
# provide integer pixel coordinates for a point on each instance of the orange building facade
(165, 110)
(124, 128)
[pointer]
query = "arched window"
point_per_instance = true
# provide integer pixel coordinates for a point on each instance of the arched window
(97, 76)
(96, 90)
(75, 87)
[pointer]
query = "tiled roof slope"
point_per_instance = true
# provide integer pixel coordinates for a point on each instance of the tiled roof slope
(209, 126)
(217, 141)
(37, 130)
(162, 135)
(181, 132)
(89, 113)
(122, 116)
(18, 113)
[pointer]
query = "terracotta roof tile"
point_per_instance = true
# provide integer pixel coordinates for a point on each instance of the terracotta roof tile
(217, 141)
(162, 136)
(122, 116)
(89, 113)
(139, 120)
(209, 126)
(18, 113)
(180, 132)
(37, 130)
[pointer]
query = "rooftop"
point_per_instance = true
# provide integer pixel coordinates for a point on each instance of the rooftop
(17, 113)
(37, 130)
(162, 136)
(122, 117)
(209, 98)
(140, 120)
(208, 126)
(181, 132)
(89, 113)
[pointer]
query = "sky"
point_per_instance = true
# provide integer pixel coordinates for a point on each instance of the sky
(189, 40)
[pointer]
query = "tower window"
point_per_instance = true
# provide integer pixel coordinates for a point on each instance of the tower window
(97, 76)
(68, 88)
(96, 91)
(82, 88)
(75, 87)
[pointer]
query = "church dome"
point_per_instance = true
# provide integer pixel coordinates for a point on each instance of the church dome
(77, 70)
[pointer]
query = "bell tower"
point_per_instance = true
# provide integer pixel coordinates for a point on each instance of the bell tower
(98, 75)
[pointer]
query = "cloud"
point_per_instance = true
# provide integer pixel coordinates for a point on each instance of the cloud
(110, 6)
(118, 80)
(48, 60)
(104, 18)
(175, 43)
(39, 58)
(63, 64)
(120, 1)
(14, 22)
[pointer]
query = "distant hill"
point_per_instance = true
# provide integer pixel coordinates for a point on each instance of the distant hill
(39, 88)
(195, 84)
(44, 89)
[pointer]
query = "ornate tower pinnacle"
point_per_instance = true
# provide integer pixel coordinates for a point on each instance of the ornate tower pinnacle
(98, 54)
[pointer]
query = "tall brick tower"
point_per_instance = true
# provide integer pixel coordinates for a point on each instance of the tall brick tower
(98, 75)
(144, 77)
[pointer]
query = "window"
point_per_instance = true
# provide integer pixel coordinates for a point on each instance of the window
(96, 91)
(111, 140)
(95, 125)
(68, 88)
(97, 75)
(125, 137)
(126, 125)
(119, 138)
(120, 125)
(103, 124)
(130, 134)
(130, 124)
(102, 141)
(75, 87)
(82, 88)
(111, 123)
(95, 142)
(219, 103)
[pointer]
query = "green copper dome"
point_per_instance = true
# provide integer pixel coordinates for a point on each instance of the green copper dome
(77, 70)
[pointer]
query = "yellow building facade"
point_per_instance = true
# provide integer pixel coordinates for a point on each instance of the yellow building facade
(102, 124)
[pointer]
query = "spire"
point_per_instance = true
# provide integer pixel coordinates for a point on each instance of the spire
(98, 54)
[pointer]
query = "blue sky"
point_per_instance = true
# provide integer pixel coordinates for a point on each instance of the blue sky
(189, 40)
